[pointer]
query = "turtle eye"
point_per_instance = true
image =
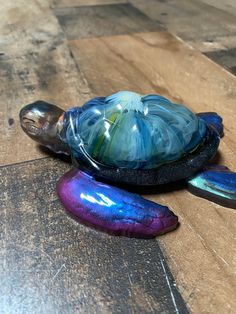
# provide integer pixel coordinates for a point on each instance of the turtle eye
(30, 126)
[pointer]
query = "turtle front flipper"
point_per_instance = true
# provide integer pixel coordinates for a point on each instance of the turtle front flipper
(215, 183)
(213, 119)
(111, 209)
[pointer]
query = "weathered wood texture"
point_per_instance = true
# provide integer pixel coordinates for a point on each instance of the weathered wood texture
(35, 64)
(226, 58)
(49, 263)
(201, 252)
(103, 20)
(226, 5)
(203, 26)
(189, 19)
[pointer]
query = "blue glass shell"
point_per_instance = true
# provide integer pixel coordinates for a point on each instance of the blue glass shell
(128, 130)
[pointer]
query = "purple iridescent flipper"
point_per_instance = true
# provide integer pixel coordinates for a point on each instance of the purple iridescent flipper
(111, 209)
(215, 183)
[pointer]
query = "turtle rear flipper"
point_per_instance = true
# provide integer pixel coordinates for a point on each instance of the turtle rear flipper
(215, 183)
(213, 119)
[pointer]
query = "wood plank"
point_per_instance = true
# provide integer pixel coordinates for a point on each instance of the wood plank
(226, 58)
(222, 43)
(199, 24)
(201, 251)
(189, 19)
(49, 263)
(40, 67)
(226, 5)
(103, 20)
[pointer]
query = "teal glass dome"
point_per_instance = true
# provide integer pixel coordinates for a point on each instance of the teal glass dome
(128, 130)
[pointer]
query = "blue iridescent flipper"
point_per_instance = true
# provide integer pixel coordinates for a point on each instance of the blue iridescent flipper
(215, 183)
(111, 209)
(213, 119)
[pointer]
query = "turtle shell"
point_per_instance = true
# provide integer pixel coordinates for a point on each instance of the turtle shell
(130, 133)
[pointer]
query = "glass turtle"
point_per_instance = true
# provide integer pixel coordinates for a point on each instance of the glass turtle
(129, 139)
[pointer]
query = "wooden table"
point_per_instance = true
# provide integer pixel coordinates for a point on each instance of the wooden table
(65, 52)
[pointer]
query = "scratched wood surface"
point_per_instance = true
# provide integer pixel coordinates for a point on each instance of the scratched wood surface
(103, 20)
(203, 26)
(35, 63)
(52, 264)
(191, 20)
(226, 5)
(46, 52)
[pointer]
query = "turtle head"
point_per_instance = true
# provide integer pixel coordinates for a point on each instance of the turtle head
(42, 122)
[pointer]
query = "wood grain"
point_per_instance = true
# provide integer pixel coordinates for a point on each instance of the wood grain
(201, 251)
(49, 263)
(203, 26)
(35, 63)
(103, 20)
(226, 58)
(226, 5)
